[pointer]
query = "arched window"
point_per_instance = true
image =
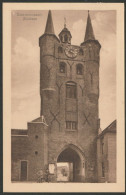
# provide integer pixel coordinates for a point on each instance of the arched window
(81, 52)
(71, 90)
(79, 69)
(60, 50)
(62, 67)
(65, 38)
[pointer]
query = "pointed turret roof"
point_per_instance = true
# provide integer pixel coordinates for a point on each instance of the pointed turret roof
(49, 24)
(89, 34)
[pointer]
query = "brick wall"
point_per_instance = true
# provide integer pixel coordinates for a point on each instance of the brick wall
(55, 104)
(108, 156)
(102, 157)
(19, 151)
(112, 157)
(55, 107)
(32, 148)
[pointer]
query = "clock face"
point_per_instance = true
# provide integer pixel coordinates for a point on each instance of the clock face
(71, 51)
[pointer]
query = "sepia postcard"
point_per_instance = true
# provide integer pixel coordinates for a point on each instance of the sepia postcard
(63, 81)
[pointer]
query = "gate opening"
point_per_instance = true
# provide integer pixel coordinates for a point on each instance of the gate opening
(65, 172)
(70, 166)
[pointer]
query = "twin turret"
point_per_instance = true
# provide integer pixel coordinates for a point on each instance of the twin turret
(48, 50)
(69, 90)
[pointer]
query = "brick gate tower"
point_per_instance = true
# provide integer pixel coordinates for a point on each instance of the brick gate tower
(69, 90)
(64, 137)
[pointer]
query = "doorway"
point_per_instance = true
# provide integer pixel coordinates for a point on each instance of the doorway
(23, 174)
(70, 166)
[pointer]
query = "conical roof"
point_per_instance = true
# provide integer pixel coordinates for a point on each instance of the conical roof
(49, 24)
(89, 34)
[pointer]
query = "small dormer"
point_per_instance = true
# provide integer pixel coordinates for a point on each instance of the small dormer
(65, 35)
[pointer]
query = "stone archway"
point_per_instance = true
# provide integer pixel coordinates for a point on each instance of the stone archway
(70, 165)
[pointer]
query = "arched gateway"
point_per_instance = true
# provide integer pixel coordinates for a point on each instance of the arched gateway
(70, 165)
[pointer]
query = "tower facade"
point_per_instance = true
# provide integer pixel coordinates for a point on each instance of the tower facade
(69, 91)
(63, 144)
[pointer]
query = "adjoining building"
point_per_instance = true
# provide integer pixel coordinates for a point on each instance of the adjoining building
(106, 154)
(67, 130)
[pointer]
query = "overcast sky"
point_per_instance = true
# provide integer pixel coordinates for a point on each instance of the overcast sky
(26, 31)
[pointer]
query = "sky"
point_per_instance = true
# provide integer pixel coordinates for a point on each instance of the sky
(26, 28)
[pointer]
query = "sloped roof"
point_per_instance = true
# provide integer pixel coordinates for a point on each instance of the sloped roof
(40, 119)
(111, 128)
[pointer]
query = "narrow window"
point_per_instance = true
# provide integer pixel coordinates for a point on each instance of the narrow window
(79, 69)
(102, 146)
(74, 125)
(68, 124)
(71, 90)
(60, 50)
(62, 67)
(61, 39)
(23, 175)
(71, 125)
(81, 52)
(103, 170)
(65, 38)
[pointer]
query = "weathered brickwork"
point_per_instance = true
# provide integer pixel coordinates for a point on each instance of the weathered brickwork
(107, 154)
(57, 108)
(32, 148)
(112, 157)
(51, 141)
(19, 151)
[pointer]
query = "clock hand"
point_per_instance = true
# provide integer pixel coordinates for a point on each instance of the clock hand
(71, 51)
